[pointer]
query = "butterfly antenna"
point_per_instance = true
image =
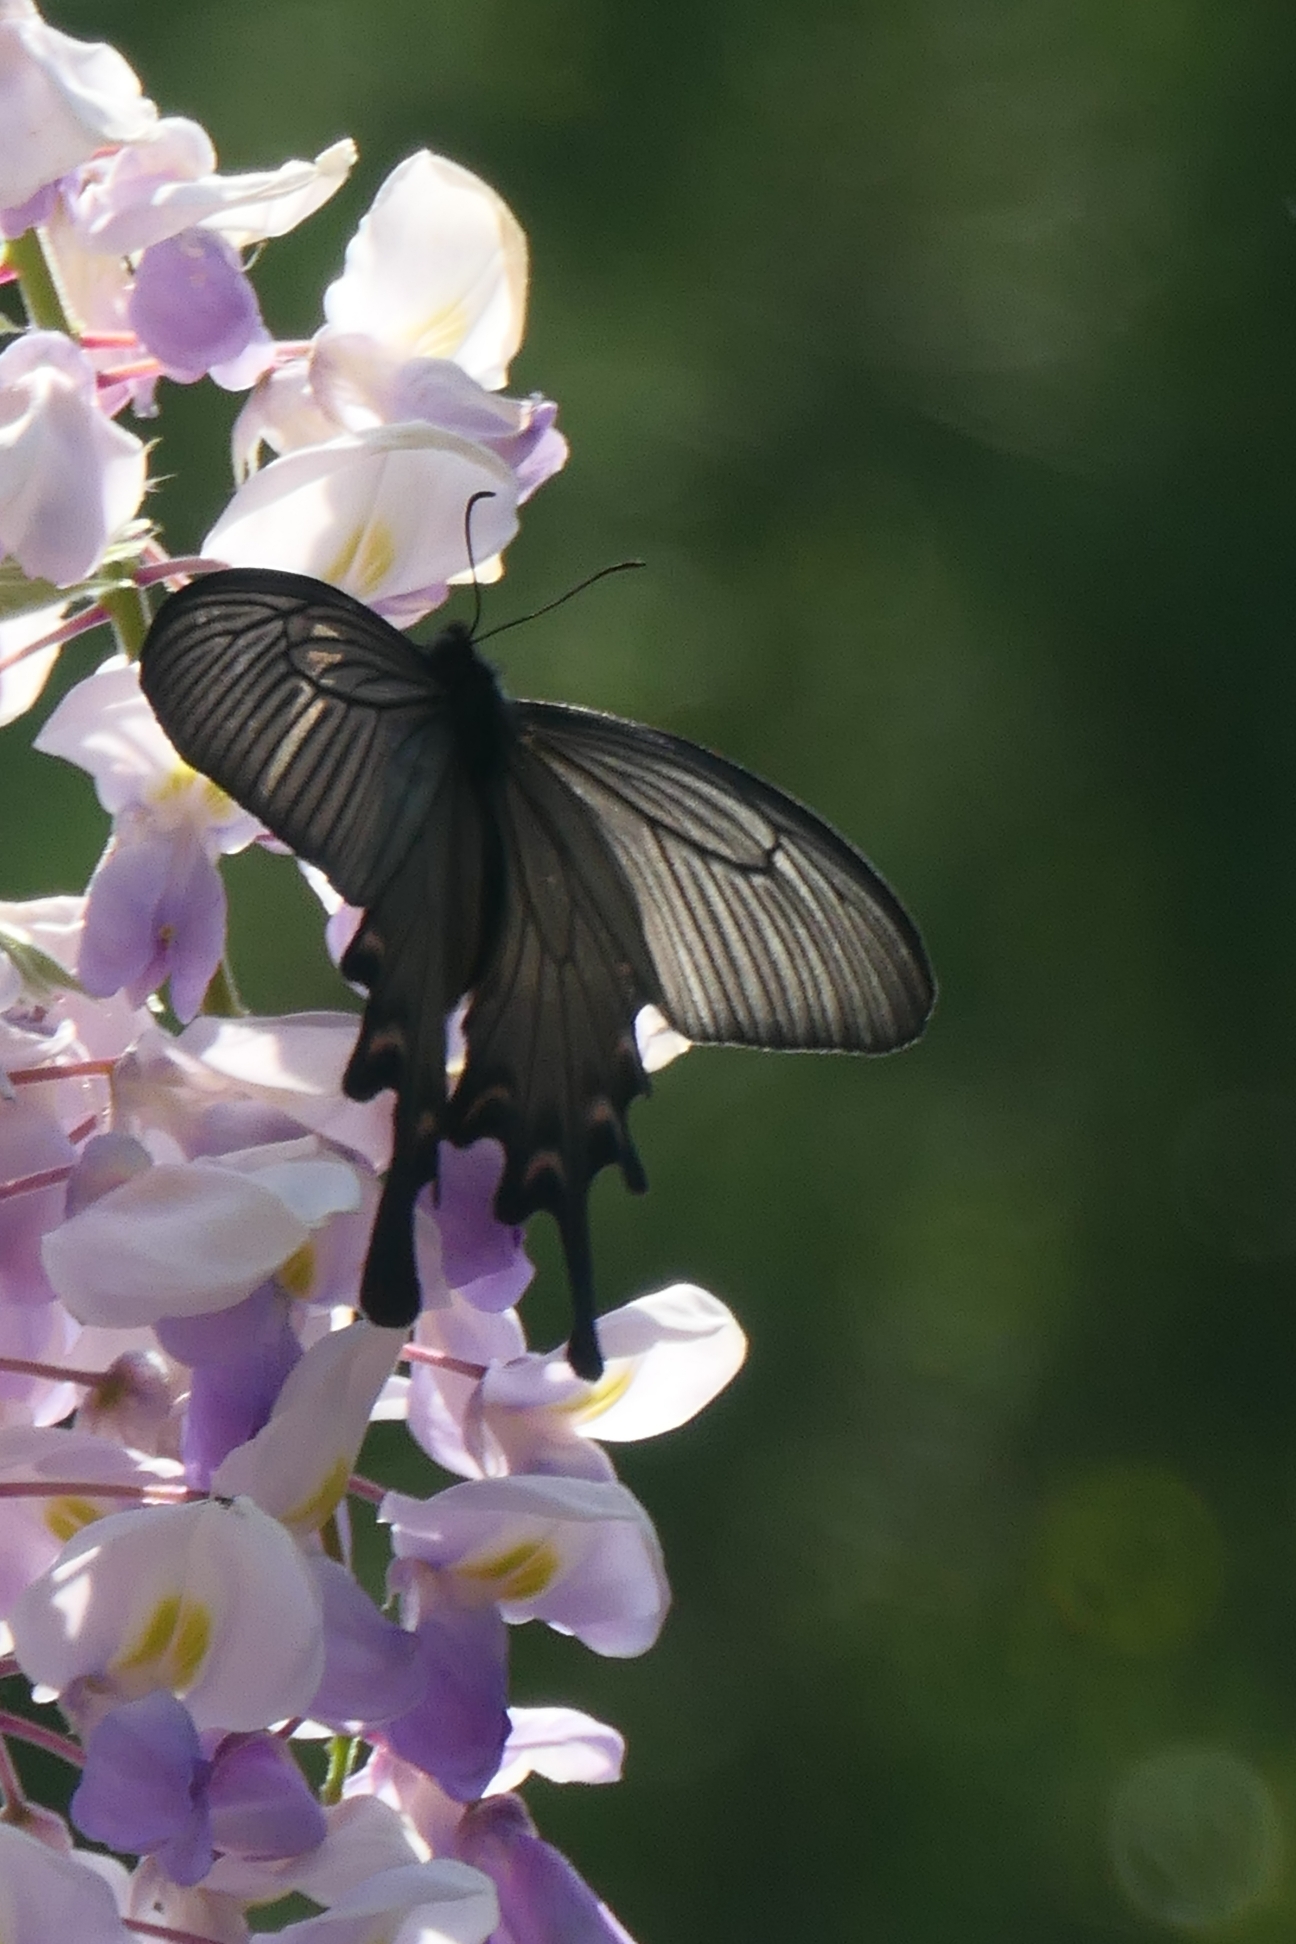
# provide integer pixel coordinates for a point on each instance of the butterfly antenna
(583, 1353)
(618, 567)
(484, 494)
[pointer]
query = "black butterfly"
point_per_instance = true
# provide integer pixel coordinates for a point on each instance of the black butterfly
(561, 868)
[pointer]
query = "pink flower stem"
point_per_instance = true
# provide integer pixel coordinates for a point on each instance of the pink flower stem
(57, 1373)
(158, 1489)
(31, 1731)
(77, 1070)
(11, 1787)
(49, 1178)
(441, 1360)
(367, 1488)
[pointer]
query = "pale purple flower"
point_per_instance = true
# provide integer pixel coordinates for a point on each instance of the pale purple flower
(155, 912)
(60, 99)
(437, 269)
(150, 1784)
(69, 477)
(577, 1553)
(213, 1602)
(155, 905)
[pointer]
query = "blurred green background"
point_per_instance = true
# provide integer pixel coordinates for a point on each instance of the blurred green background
(939, 358)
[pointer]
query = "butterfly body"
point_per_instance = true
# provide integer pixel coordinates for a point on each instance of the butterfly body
(560, 868)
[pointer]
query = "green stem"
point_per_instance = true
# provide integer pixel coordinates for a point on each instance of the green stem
(127, 609)
(44, 305)
(342, 1754)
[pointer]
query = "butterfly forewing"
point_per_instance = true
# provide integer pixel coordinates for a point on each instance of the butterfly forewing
(765, 927)
(309, 710)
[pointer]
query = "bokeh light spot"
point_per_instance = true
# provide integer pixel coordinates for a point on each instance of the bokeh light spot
(1133, 1557)
(1195, 1837)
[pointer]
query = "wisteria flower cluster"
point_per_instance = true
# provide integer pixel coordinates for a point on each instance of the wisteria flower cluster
(184, 1207)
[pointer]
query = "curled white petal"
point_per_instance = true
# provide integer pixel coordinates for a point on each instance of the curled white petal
(177, 1240)
(379, 513)
(437, 269)
(59, 100)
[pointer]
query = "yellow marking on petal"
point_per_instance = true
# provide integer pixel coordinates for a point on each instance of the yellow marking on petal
(609, 1390)
(68, 1516)
(296, 1276)
(364, 561)
(518, 1574)
(442, 332)
(180, 780)
(310, 1513)
(172, 1643)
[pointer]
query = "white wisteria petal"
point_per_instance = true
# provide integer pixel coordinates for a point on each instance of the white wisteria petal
(313, 1185)
(212, 1601)
(365, 1835)
(178, 1240)
(579, 1554)
(657, 1040)
(167, 182)
(665, 1357)
(33, 1530)
(297, 1465)
(59, 100)
(105, 725)
(24, 670)
(562, 1744)
(296, 1062)
(378, 513)
(281, 412)
(45, 1895)
(437, 268)
(442, 1902)
(69, 477)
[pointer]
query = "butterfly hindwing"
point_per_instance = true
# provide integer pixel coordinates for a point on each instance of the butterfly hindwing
(552, 1063)
(765, 927)
(309, 710)
(419, 947)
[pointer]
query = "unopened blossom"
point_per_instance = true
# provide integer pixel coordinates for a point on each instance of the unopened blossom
(69, 477)
(60, 99)
(543, 1900)
(212, 1602)
(156, 904)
